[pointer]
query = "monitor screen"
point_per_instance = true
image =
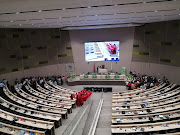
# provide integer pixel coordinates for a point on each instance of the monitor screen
(102, 51)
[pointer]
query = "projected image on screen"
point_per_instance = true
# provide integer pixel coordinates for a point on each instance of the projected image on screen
(102, 51)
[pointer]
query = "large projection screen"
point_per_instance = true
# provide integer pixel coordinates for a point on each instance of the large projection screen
(102, 51)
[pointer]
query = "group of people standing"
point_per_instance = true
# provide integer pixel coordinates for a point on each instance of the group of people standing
(82, 96)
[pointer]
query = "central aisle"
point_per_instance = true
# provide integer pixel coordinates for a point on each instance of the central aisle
(104, 123)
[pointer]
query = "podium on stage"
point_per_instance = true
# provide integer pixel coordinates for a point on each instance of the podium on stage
(103, 71)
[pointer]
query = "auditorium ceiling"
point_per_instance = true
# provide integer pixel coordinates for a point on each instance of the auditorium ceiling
(63, 13)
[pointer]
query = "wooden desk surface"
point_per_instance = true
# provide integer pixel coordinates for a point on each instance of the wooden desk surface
(140, 90)
(147, 127)
(34, 105)
(36, 113)
(16, 130)
(43, 101)
(145, 93)
(51, 97)
(28, 121)
(140, 100)
(144, 118)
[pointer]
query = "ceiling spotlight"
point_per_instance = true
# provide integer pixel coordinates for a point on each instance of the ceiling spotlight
(40, 11)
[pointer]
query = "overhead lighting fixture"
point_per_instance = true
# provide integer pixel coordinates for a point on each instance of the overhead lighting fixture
(20, 24)
(101, 26)
(64, 9)
(89, 6)
(17, 12)
(11, 21)
(40, 11)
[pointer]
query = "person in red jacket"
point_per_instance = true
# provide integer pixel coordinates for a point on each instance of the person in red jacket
(77, 100)
(81, 100)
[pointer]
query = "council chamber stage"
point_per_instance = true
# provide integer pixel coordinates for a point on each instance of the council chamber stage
(96, 79)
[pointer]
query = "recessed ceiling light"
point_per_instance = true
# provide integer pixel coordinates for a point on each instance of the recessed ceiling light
(17, 12)
(64, 9)
(89, 6)
(40, 11)
(11, 21)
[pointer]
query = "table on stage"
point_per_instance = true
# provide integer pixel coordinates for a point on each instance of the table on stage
(102, 77)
